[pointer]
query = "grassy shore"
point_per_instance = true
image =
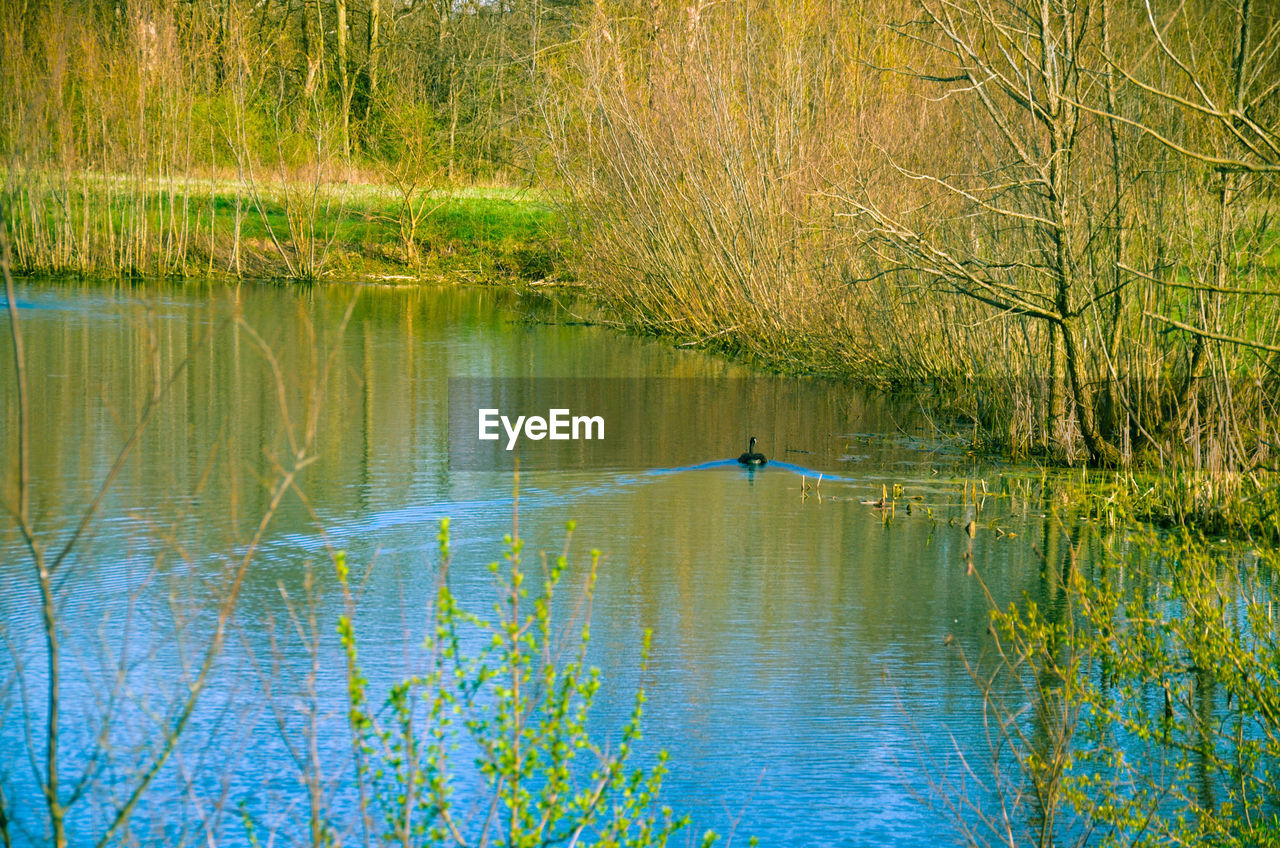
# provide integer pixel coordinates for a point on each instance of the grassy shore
(218, 228)
(474, 234)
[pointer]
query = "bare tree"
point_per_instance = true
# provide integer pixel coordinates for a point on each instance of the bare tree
(112, 777)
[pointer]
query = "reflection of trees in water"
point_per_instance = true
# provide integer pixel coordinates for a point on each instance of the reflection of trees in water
(1133, 696)
(148, 595)
(99, 720)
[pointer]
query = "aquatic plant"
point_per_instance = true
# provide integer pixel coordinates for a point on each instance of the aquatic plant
(499, 716)
(1139, 704)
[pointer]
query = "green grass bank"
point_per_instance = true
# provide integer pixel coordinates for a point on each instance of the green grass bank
(204, 227)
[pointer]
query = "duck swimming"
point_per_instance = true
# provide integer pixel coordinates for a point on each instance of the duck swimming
(751, 457)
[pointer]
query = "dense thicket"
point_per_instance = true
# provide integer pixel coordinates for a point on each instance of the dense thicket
(134, 133)
(1059, 211)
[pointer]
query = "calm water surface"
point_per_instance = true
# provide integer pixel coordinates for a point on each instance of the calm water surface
(799, 677)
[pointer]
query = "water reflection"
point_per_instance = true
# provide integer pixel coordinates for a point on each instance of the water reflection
(801, 676)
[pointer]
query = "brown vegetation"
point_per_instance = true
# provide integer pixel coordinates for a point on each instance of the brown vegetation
(1059, 212)
(149, 138)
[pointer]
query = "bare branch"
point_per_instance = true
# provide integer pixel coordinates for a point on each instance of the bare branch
(1218, 337)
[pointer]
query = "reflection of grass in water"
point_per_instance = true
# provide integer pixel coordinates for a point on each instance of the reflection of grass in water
(1241, 507)
(523, 697)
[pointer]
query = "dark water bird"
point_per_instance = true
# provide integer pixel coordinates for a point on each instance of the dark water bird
(751, 457)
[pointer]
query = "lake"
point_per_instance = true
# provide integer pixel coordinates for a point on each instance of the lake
(805, 672)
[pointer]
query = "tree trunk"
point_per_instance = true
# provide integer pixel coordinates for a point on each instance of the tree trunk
(1055, 424)
(1102, 451)
(344, 77)
(371, 71)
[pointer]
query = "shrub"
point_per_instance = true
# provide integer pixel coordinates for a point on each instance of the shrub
(518, 709)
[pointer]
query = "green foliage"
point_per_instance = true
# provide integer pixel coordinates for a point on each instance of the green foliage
(1144, 709)
(1239, 506)
(1191, 677)
(513, 691)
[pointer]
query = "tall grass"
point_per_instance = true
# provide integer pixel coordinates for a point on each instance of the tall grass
(168, 140)
(100, 139)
